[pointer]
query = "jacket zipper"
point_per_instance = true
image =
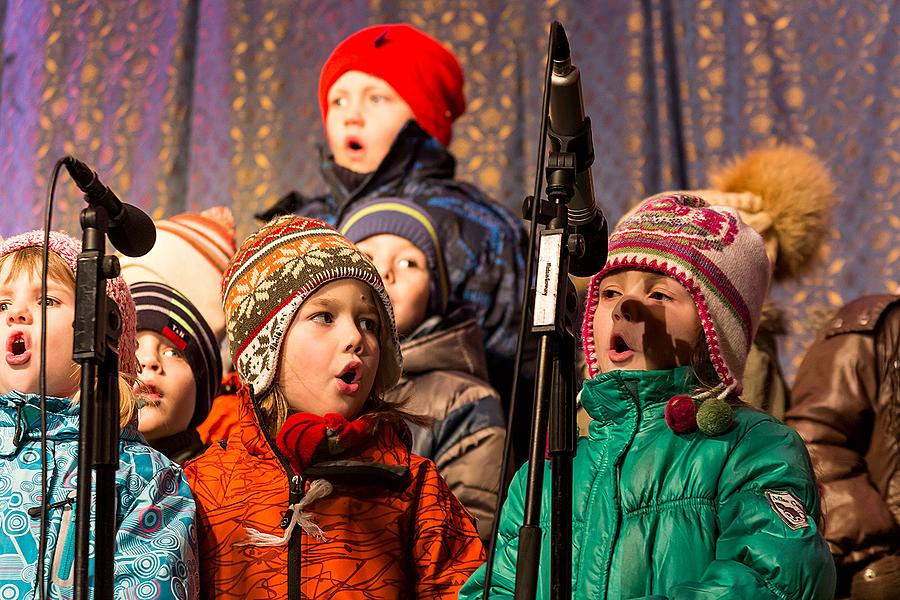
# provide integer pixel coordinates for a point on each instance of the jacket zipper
(297, 485)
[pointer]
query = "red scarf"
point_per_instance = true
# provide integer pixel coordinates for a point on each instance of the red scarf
(306, 439)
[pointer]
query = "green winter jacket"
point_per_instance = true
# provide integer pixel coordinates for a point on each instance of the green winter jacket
(684, 516)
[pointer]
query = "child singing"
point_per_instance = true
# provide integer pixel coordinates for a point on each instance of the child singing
(155, 554)
(316, 493)
(680, 489)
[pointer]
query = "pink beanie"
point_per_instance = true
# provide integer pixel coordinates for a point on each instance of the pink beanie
(69, 248)
(719, 259)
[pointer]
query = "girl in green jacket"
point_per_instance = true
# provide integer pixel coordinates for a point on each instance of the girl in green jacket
(681, 490)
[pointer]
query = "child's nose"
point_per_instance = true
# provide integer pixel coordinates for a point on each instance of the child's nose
(149, 361)
(19, 314)
(625, 309)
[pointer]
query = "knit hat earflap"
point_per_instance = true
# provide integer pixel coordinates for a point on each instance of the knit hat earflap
(424, 73)
(274, 271)
(720, 260)
(166, 311)
(68, 248)
(406, 219)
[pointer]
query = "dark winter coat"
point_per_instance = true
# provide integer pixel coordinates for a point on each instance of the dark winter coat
(483, 242)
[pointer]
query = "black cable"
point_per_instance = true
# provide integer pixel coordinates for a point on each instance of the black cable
(42, 382)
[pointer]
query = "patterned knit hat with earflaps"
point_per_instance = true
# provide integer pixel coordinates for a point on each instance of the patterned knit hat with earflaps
(718, 259)
(69, 248)
(274, 271)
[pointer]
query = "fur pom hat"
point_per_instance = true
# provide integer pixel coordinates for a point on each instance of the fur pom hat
(274, 271)
(68, 248)
(720, 260)
(786, 194)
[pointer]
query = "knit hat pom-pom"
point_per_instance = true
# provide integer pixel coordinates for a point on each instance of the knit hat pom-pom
(681, 414)
(714, 416)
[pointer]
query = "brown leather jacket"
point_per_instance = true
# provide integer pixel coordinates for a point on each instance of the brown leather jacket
(846, 406)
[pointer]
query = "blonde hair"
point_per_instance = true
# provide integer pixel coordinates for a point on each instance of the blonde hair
(29, 261)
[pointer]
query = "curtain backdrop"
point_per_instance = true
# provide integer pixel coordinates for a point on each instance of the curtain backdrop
(187, 104)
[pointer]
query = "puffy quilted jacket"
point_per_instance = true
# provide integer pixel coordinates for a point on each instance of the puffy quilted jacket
(663, 515)
(155, 547)
(393, 529)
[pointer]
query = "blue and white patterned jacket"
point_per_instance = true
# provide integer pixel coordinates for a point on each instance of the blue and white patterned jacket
(155, 546)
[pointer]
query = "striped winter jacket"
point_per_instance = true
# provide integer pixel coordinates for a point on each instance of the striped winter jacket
(445, 378)
(392, 528)
(155, 544)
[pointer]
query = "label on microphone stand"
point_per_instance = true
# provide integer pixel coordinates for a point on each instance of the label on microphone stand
(547, 283)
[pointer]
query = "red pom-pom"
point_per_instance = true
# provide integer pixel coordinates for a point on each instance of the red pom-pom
(681, 414)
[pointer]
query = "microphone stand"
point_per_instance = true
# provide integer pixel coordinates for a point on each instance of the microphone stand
(98, 326)
(554, 309)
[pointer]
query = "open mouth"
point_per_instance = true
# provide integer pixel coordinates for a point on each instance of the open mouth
(619, 350)
(619, 344)
(17, 345)
(349, 375)
(17, 348)
(148, 394)
(349, 378)
(354, 145)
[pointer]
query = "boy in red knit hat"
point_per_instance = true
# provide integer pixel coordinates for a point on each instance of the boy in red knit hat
(389, 95)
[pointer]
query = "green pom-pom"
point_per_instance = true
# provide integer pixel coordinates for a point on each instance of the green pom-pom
(714, 416)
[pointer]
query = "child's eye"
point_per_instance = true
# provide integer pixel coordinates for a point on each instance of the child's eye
(322, 317)
(657, 295)
(339, 101)
(172, 353)
(4, 305)
(408, 263)
(609, 294)
(368, 324)
(51, 301)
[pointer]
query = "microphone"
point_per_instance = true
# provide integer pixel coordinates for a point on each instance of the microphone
(131, 231)
(570, 127)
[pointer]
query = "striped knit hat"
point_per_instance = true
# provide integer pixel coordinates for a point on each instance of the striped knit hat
(69, 248)
(165, 311)
(191, 252)
(719, 259)
(273, 272)
(410, 221)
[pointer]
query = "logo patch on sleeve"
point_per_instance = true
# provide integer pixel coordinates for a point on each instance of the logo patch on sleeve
(788, 508)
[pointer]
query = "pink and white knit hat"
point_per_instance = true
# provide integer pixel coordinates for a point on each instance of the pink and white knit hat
(69, 248)
(719, 259)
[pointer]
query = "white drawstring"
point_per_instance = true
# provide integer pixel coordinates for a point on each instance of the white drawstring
(319, 489)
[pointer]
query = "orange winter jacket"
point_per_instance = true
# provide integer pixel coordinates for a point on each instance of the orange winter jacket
(393, 529)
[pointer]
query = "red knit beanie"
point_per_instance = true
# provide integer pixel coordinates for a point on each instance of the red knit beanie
(424, 73)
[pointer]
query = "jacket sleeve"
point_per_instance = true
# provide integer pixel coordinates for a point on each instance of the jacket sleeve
(834, 400)
(156, 547)
(506, 553)
(446, 548)
(768, 543)
(469, 454)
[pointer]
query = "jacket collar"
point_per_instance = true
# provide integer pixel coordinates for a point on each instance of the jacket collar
(388, 453)
(20, 421)
(413, 155)
(611, 397)
(456, 347)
